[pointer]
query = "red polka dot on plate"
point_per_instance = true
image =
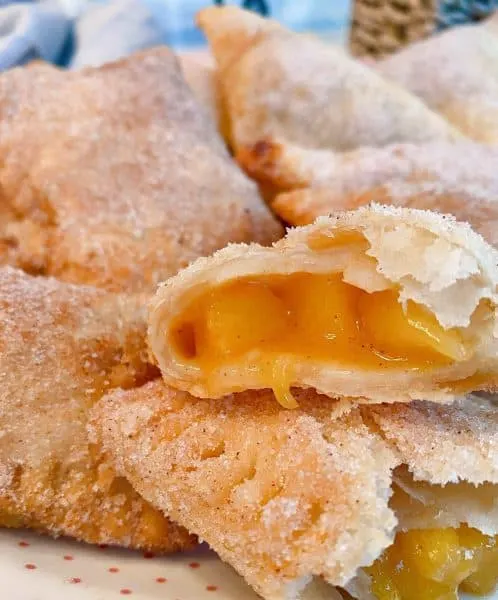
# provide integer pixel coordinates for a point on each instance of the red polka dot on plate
(149, 555)
(23, 544)
(68, 557)
(30, 566)
(103, 546)
(125, 592)
(113, 570)
(161, 580)
(194, 565)
(74, 580)
(211, 588)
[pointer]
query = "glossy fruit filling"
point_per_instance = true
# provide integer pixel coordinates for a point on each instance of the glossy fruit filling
(434, 564)
(315, 318)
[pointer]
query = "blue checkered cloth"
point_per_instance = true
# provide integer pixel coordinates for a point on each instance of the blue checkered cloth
(77, 33)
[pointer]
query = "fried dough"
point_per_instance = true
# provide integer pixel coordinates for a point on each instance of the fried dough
(458, 178)
(270, 490)
(456, 74)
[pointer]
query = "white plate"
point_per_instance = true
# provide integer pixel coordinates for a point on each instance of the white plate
(33, 567)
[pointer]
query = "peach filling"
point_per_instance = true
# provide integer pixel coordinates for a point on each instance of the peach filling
(313, 318)
(435, 564)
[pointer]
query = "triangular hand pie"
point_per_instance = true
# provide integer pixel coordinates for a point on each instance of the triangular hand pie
(63, 346)
(456, 74)
(115, 176)
(286, 495)
(298, 89)
(382, 303)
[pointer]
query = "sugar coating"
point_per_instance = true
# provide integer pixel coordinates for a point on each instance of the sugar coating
(62, 347)
(280, 495)
(297, 89)
(115, 176)
(426, 435)
(201, 76)
(455, 73)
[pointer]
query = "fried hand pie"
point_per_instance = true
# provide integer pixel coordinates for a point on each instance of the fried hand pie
(62, 347)
(359, 499)
(116, 176)
(456, 74)
(385, 304)
(298, 89)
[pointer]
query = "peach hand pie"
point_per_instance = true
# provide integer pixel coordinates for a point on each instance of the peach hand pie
(62, 347)
(116, 176)
(458, 178)
(385, 303)
(284, 496)
(456, 74)
(269, 489)
(295, 88)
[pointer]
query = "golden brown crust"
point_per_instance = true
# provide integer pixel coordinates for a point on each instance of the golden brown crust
(272, 80)
(62, 347)
(456, 74)
(431, 259)
(115, 176)
(280, 495)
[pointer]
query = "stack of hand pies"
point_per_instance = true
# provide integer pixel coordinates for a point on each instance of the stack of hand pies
(319, 410)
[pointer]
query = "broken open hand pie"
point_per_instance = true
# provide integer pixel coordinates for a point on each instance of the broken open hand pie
(381, 303)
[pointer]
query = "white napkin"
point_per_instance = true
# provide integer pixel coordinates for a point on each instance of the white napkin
(107, 32)
(31, 31)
